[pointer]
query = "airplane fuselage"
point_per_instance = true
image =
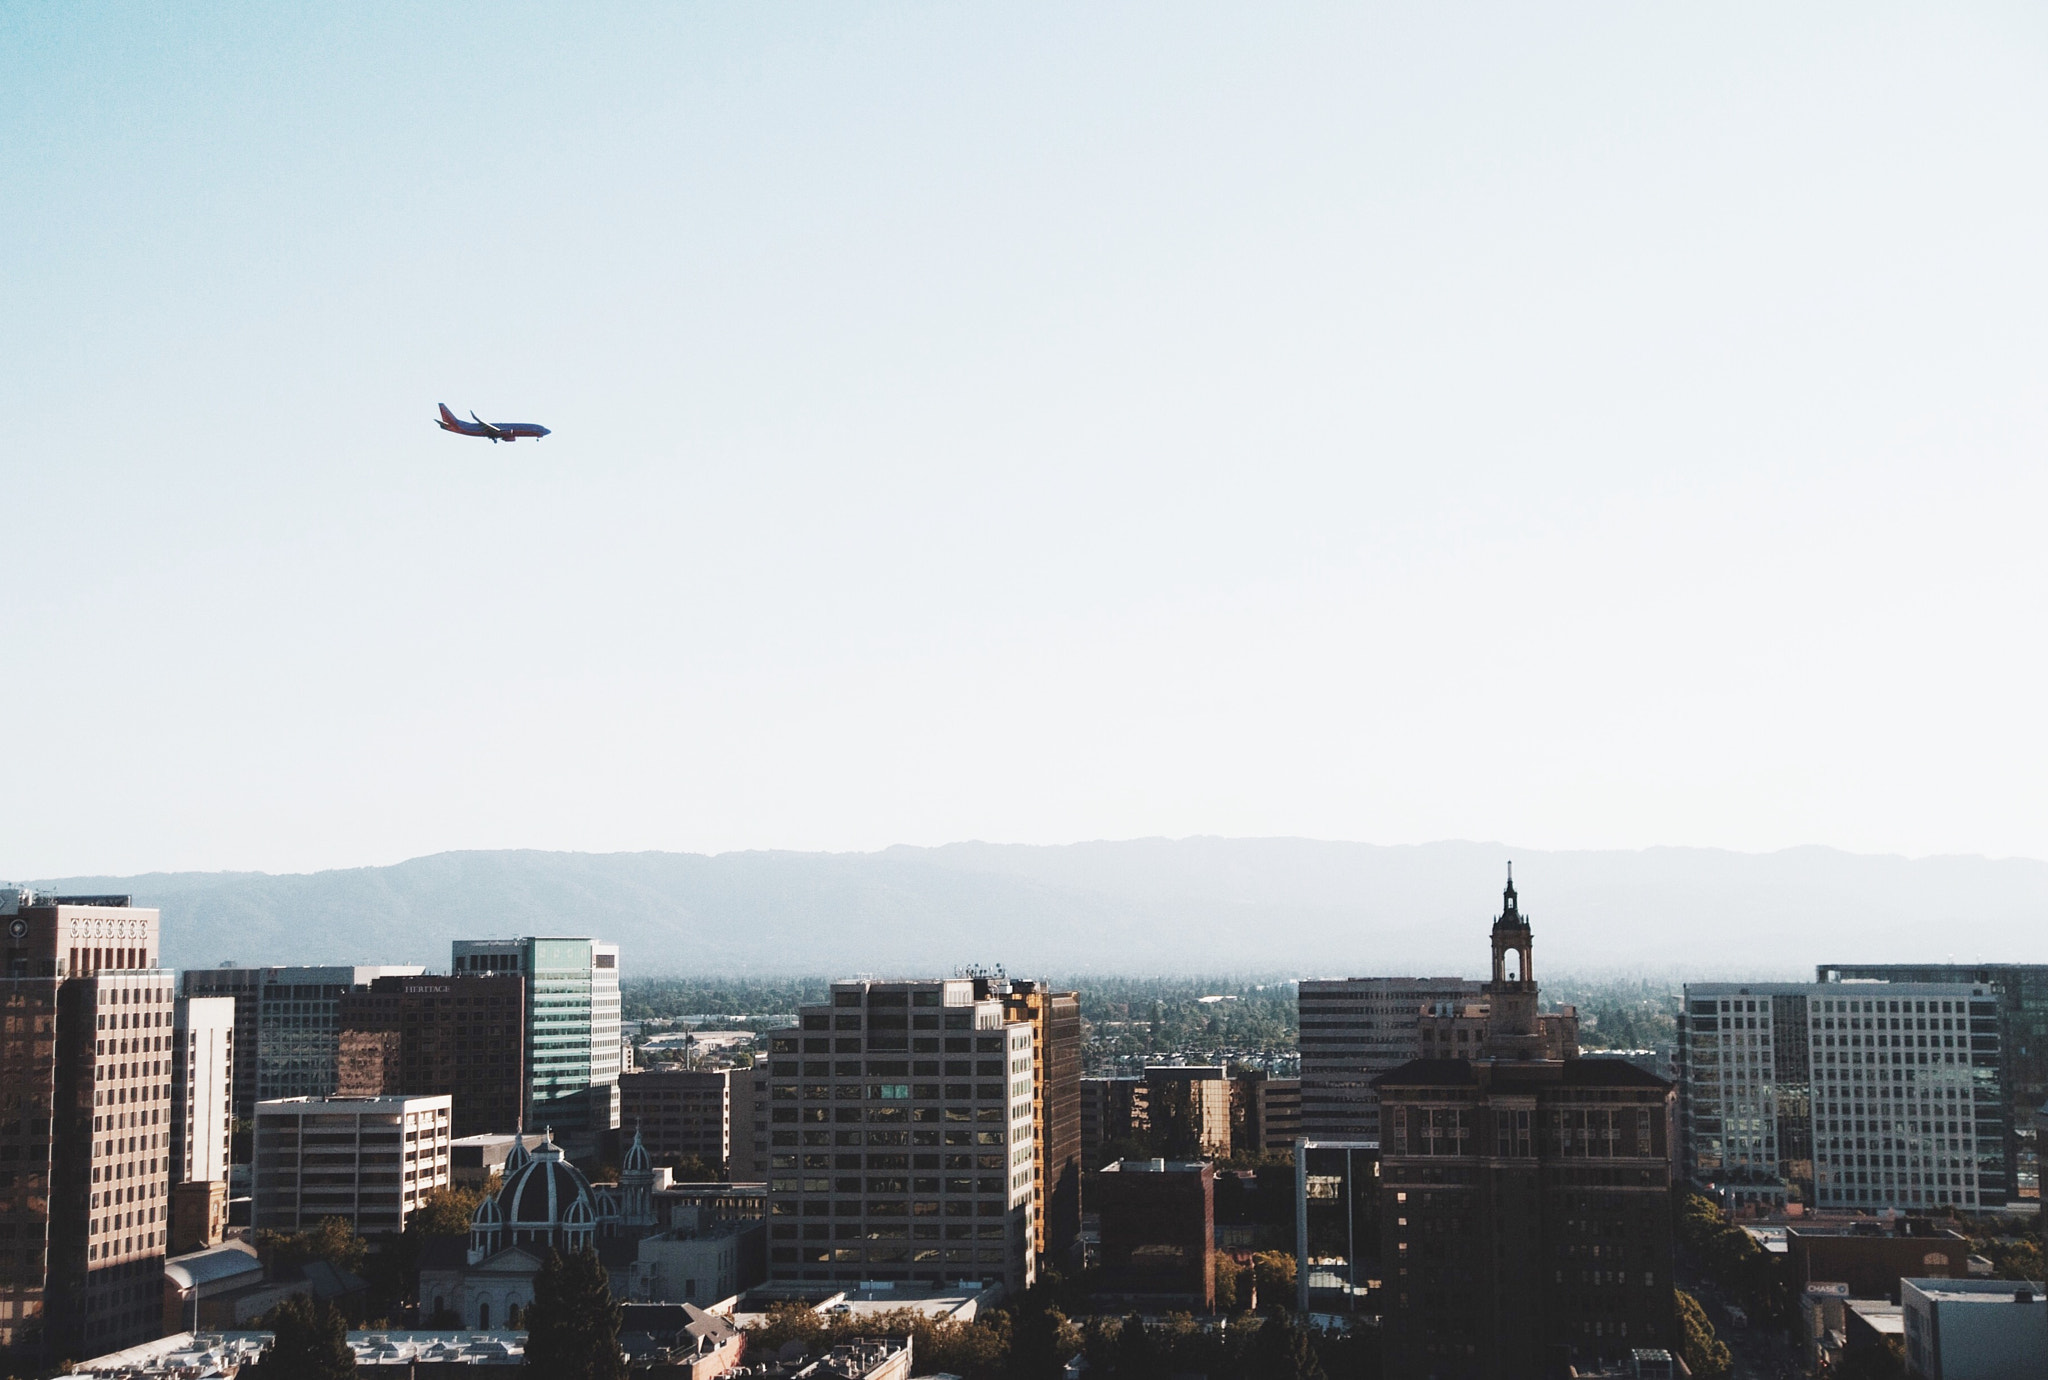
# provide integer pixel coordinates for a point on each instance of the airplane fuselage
(496, 431)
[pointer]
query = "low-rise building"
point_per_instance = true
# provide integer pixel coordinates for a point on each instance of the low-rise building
(472, 1160)
(1872, 1257)
(679, 1341)
(700, 1265)
(1975, 1329)
(1158, 1234)
(368, 1161)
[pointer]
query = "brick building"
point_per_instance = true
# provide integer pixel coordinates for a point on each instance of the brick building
(1525, 1200)
(681, 1112)
(420, 1036)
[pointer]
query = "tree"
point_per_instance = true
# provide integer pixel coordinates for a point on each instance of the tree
(1273, 1273)
(1039, 1341)
(572, 1330)
(446, 1211)
(310, 1342)
(1703, 1353)
(332, 1240)
(1135, 1358)
(1282, 1350)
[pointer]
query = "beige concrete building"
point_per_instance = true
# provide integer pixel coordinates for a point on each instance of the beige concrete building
(367, 1160)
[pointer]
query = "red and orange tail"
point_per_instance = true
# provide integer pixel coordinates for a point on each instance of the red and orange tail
(447, 417)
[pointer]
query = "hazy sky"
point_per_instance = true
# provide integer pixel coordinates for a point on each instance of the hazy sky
(1583, 427)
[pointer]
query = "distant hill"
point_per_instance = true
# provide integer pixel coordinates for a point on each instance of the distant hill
(1197, 905)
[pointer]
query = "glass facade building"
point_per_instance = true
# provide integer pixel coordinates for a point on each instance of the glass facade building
(572, 1024)
(2022, 990)
(1854, 1095)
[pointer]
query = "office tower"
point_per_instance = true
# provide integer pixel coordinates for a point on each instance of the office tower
(367, 1160)
(679, 1112)
(2021, 990)
(900, 1138)
(1353, 1030)
(463, 1035)
(1862, 1095)
(1525, 1200)
(202, 1089)
(1265, 1114)
(85, 1051)
(1112, 1112)
(287, 1023)
(1055, 1020)
(572, 1025)
(1187, 1109)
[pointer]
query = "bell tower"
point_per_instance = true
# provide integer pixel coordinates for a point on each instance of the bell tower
(1512, 1030)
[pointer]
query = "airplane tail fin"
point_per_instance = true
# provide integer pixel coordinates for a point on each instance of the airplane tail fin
(447, 417)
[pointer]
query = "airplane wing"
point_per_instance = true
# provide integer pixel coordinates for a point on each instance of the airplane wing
(489, 430)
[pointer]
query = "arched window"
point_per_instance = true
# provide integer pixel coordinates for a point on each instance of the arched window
(512, 1315)
(483, 1315)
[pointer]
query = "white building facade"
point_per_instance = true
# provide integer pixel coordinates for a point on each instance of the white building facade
(1840, 1095)
(202, 1089)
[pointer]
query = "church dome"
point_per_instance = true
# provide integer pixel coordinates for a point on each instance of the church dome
(518, 1157)
(547, 1201)
(638, 1161)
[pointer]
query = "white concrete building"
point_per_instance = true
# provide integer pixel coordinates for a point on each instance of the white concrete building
(368, 1160)
(1975, 1329)
(202, 1089)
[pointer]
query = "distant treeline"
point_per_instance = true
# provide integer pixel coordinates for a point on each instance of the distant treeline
(1145, 1015)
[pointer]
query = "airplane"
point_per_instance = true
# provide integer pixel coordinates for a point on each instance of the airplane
(497, 431)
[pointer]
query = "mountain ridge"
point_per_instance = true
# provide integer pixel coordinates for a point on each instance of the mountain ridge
(1198, 904)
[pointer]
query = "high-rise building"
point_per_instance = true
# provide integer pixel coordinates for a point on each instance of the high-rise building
(1353, 1030)
(1525, 1200)
(463, 1035)
(287, 1023)
(366, 1160)
(572, 1025)
(1861, 1095)
(679, 1112)
(1055, 1020)
(900, 1138)
(85, 1060)
(202, 1089)
(2022, 995)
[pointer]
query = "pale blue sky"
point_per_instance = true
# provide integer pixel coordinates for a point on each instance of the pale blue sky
(1579, 426)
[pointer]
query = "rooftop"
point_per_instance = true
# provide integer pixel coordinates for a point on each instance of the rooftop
(2025, 1292)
